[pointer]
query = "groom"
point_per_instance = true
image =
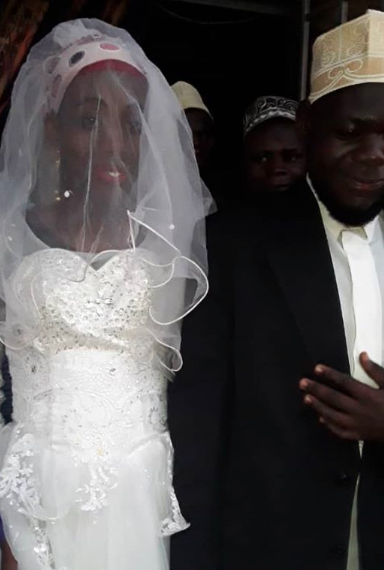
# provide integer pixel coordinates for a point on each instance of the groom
(278, 414)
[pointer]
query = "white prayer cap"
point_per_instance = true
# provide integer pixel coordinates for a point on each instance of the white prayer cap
(266, 108)
(189, 97)
(348, 55)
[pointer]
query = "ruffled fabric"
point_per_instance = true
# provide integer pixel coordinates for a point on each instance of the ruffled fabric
(86, 467)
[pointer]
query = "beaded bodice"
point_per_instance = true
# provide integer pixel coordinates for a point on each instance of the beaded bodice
(89, 377)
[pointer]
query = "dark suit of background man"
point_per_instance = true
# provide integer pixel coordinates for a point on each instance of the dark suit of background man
(278, 414)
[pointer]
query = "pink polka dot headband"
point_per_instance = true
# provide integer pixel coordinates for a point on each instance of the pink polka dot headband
(61, 70)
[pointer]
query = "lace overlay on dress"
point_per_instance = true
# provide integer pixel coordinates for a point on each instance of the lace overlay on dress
(88, 392)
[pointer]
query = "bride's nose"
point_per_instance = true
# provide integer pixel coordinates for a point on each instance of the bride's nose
(111, 138)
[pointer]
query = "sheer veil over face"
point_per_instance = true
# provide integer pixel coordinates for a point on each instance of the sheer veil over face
(97, 156)
(95, 137)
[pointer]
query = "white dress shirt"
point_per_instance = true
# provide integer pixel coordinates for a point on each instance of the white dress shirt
(358, 262)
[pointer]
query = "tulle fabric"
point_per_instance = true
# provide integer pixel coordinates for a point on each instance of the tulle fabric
(86, 466)
(99, 174)
(102, 254)
(124, 535)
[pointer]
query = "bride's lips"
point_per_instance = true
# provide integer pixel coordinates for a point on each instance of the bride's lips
(111, 175)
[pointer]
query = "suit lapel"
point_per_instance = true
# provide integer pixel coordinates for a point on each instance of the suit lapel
(301, 260)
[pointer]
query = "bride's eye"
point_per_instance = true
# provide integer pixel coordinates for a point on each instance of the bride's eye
(89, 122)
(134, 126)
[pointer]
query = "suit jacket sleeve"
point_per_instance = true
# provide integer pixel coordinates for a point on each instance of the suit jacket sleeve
(199, 417)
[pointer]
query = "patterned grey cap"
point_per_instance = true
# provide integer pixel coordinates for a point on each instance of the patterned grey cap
(269, 107)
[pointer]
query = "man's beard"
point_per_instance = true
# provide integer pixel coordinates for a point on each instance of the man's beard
(347, 215)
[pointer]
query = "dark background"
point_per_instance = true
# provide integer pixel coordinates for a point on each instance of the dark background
(229, 55)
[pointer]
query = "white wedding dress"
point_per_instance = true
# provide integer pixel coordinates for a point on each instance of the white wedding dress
(86, 473)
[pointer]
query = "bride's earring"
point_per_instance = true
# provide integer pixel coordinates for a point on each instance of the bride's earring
(58, 160)
(67, 193)
(57, 166)
(60, 195)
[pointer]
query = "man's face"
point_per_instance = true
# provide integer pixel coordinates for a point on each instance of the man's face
(203, 136)
(346, 152)
(274, 157)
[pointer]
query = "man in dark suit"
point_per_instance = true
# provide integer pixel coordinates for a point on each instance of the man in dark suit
(277, 417)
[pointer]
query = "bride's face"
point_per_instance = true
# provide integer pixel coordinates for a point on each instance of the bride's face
(98, 130)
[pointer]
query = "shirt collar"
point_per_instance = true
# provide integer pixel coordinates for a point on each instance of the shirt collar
(334, 227)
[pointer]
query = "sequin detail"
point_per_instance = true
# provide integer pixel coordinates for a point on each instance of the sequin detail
(88, 391)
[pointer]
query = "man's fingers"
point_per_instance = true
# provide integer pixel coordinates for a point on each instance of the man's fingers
(342, 433)
(332, 398)
(342, 382)
(326, 413)
(338, 423)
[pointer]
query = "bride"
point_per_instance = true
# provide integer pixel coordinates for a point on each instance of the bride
(102, 253)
